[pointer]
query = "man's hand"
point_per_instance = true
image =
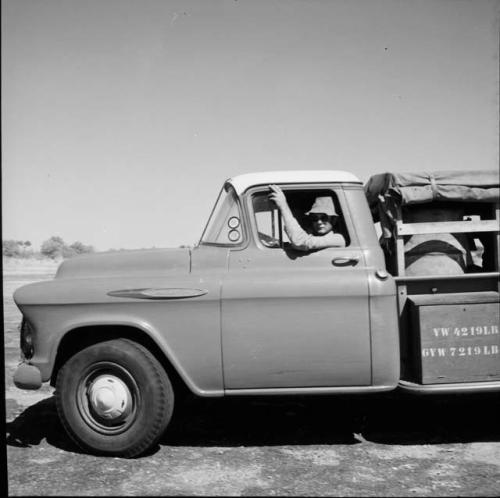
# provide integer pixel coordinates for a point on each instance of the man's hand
(277, 196)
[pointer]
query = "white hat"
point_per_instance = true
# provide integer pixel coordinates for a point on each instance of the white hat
(323, 205)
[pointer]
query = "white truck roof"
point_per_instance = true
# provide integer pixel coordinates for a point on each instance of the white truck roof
(242, 182)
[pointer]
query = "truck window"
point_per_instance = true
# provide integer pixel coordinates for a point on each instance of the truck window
(224, 226)
(270, 229)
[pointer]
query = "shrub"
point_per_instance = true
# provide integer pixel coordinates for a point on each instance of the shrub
(16, 248)
(11, 248)
(79, 248)
(53, 247)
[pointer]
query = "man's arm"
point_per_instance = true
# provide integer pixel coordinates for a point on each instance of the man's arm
(299, 238)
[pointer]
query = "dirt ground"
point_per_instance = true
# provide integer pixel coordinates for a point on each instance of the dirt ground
(376, 446)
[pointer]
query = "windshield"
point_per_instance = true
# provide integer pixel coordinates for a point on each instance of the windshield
(224, 226)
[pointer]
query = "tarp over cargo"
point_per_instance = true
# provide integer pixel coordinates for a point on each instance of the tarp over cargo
(424, 187)
(387, 192)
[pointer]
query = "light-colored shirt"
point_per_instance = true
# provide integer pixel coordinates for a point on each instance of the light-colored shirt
(303, 241)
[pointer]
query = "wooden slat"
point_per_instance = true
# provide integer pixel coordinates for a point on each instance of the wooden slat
(496, 248)
(400, 251)
(464, 276)
(455, 298)
(400, 246)
(447, 227)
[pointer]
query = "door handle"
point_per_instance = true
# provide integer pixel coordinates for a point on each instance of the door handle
(345, 261)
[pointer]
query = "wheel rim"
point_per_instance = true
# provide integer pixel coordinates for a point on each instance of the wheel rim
(108, 398)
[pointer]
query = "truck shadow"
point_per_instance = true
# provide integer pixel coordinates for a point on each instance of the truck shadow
(38, 422)
(327, 420)
(297, 421)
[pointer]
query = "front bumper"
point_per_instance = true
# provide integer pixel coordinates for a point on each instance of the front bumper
(27, 377)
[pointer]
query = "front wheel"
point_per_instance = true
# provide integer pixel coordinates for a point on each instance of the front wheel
(114, 398)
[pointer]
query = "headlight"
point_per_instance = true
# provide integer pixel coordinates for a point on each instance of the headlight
(27, 347)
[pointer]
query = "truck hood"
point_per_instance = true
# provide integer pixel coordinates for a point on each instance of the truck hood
(122, 276)
(151, 262)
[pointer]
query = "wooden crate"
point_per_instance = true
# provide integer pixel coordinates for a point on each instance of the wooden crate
(413, 226)
(456, 337)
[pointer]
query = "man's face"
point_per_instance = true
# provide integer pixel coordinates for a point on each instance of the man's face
(321, 223)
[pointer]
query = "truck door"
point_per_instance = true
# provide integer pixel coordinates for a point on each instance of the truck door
(294, 319)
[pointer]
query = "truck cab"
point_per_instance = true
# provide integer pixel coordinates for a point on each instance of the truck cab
(295, 321)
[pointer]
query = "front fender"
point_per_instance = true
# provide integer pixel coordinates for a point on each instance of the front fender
(187, 333)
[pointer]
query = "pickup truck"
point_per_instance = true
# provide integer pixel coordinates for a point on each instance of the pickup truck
(410, 303)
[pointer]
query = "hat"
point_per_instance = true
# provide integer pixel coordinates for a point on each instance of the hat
(323, 205)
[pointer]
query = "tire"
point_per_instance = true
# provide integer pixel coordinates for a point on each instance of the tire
(114, 398)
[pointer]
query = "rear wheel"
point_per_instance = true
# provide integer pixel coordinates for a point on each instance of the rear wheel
(114, 398)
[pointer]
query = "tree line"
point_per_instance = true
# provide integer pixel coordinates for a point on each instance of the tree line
(53, 248)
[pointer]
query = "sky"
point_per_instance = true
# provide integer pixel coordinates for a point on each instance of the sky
(121, 119)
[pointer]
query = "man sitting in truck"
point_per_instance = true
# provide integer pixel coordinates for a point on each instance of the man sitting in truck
(322, 216)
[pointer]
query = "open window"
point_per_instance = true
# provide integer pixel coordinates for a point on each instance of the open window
(270, 228)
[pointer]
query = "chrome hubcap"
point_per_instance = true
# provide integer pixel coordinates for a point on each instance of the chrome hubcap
(110, 398)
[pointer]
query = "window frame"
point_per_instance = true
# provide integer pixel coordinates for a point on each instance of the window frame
(336, 191)
(228, 189)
